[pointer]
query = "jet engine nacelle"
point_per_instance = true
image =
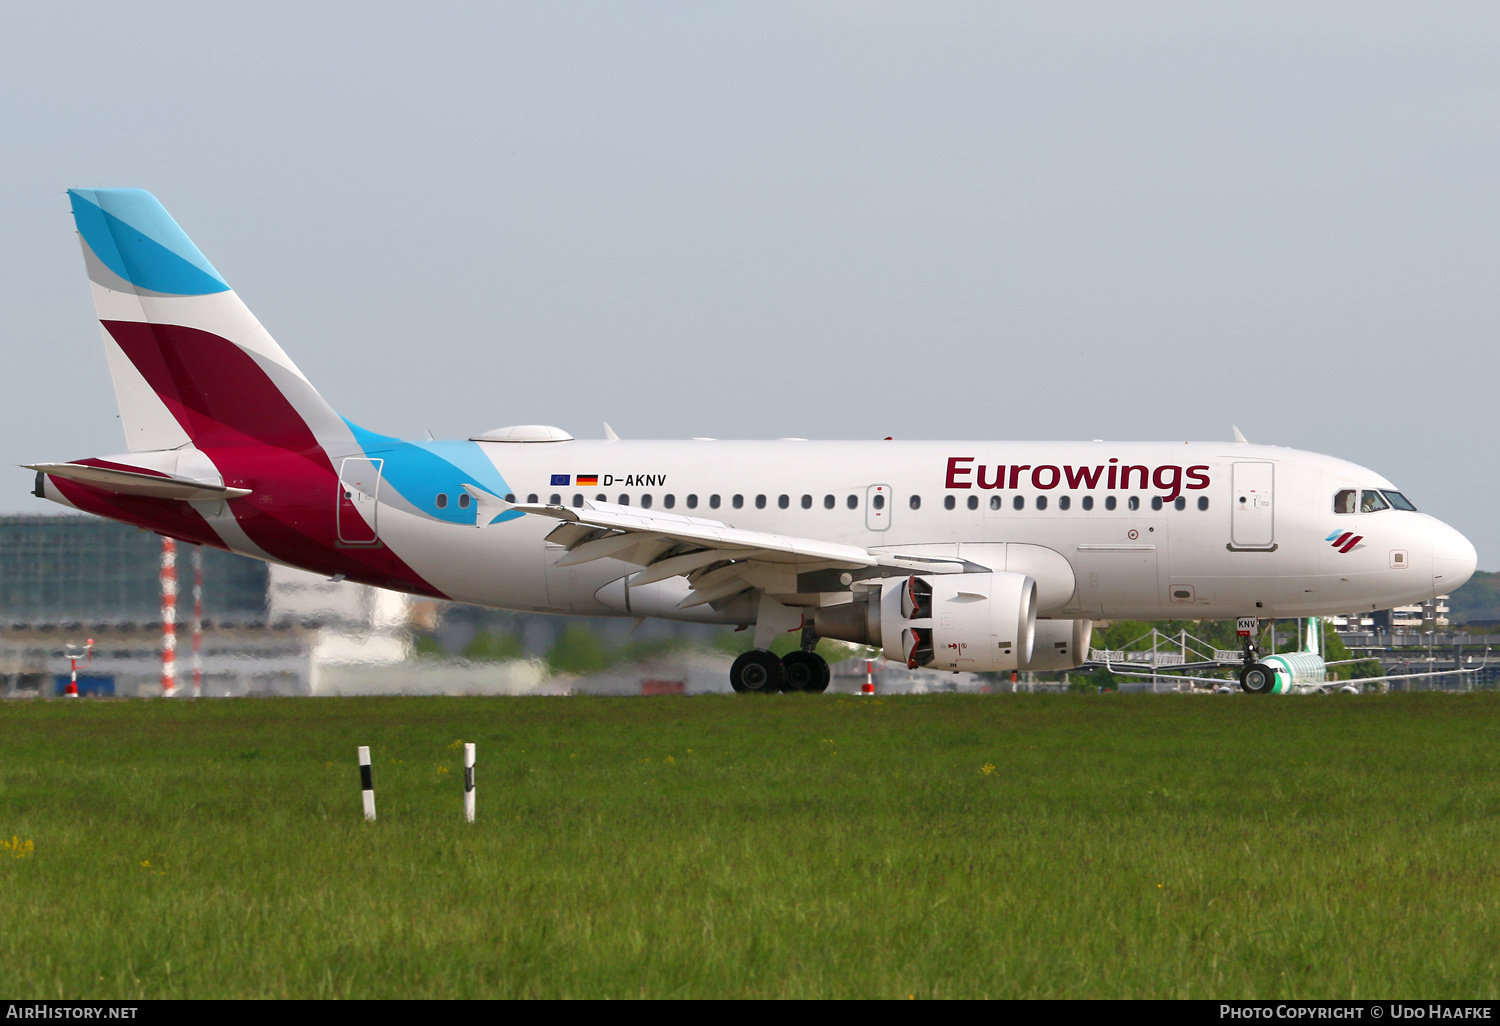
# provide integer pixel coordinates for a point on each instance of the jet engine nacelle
(977, 622)
(1060, 645)
(959, 621)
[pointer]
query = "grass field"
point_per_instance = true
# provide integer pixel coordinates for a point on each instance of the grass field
(795, 846)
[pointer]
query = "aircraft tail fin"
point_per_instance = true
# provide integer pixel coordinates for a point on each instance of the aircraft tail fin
(189, 361)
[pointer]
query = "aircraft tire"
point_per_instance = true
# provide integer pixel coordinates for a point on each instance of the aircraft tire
(806, 671)
(1258, 679)
(757, 672)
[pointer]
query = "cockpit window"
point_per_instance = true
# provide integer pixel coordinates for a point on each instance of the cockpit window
(1345, 501)
(1371, 502)
(1400, 501)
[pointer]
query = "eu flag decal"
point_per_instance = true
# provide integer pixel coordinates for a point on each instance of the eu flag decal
(561, 480)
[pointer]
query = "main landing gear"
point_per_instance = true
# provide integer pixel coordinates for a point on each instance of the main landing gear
(761, 672)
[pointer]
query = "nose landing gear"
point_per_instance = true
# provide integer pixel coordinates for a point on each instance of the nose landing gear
(1256, 678)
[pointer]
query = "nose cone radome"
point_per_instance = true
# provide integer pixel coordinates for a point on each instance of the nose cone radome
(1453, 560)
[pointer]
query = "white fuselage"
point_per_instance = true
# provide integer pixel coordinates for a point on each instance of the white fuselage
(1268, 556)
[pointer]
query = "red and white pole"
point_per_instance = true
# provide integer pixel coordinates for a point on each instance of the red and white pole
(197, 620)
(168, 617)
(869, 685)
(71, 691)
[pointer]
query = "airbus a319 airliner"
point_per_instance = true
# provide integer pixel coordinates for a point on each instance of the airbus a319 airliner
(947, 555)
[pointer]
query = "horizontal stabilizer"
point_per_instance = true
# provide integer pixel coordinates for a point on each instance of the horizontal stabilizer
(129, 482)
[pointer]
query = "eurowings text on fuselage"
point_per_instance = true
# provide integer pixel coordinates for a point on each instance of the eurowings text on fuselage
(950, 555)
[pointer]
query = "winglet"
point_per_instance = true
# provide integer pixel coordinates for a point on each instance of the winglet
(1238, 435)
(609, 433)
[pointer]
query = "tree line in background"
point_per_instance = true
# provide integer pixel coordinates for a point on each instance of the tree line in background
(580, 650)
(1477, 601)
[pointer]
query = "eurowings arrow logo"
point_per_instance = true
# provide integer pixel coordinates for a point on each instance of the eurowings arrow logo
(1345, 541)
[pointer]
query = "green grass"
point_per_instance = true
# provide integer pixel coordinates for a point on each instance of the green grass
(796, 846)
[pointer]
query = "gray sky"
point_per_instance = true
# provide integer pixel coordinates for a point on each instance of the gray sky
(824, 219)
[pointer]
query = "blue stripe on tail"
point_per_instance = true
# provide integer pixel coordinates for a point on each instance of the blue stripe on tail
(135, 237)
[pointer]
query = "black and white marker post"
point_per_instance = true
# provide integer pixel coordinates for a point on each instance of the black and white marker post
(367, 782)
(469, 782)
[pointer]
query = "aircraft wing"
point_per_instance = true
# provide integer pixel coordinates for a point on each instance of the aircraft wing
(1333, 683)
(718, 561)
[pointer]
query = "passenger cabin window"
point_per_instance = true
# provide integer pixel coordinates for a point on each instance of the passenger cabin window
(1088, 502)
(916, 502)
(1372, 502)
(601, 497)
(1344, 500)
(1064, 501)
(1156, 502)
(760, 502)
(669, 500)
(1400, 501)
(713, 502)
(973, 502)
(1041, 502)
(1203, 502)
(511, 496)
(442, 501)
(994, 502)
(556, 499)
(1179, 503)
(1109, 502)
(578, 502)
(829, 502)
(1134, 502)
(783, 501)
(807, 502)
(645, 502)
(692, 502)
(463, 501)
(948, 502)
(1019, 502)
(853, 502)
(738, 502)
(531, 499)
(624, 500)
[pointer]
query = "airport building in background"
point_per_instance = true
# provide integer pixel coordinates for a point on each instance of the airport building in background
(268, 629)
